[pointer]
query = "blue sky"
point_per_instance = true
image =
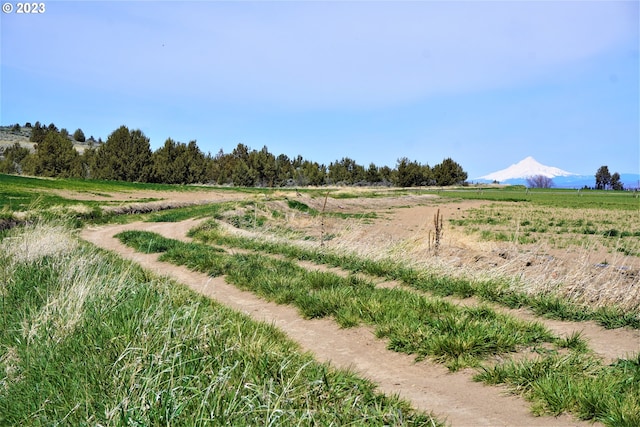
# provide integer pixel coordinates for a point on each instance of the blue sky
(486, 83)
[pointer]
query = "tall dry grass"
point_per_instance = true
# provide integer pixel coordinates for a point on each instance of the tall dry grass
(577, 272)
(38, 240)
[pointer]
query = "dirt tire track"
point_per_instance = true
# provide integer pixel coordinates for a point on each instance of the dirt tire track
(610, 344)
(427, 386)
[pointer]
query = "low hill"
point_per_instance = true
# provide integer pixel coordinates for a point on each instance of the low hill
(9, 136)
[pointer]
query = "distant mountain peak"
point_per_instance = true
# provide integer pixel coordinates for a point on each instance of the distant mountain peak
(525, 168)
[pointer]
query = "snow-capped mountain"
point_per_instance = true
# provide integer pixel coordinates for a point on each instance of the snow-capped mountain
(523, 169)
(517, 175)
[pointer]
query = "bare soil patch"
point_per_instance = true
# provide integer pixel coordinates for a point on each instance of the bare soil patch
(404, 230)
(128, 197)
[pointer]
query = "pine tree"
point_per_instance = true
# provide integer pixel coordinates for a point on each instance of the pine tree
(196, 163)
(14, 157)
(616, 184)
(603, 178)
(409, 173)
(38, 133)
(55, 157)
(284, 170)
(449, 173)
(373, 174)
(78, 135)
(243, 176)
(125, 156)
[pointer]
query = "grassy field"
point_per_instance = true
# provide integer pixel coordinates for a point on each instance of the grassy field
(87, 338)
(413, 324)
(19, 193)
(564, 377)
(618, 230)
(556, 198)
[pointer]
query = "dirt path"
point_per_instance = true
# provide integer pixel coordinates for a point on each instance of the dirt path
(427, 386)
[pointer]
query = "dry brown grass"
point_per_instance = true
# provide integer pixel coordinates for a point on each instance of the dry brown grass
(37, 241)
(9, 362)
(574, 270)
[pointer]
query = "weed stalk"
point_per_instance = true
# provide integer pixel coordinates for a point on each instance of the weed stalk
(437, 222)
(324, 205)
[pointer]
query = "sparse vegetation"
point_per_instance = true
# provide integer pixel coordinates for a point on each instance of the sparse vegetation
(571, 227)
(437, 235)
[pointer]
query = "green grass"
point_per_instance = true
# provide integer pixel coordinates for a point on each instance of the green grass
(19, 194)
(213, 210)
(87, 185)
(88, 339)
(303, 207)
(543, 304)
(414, 324)
(611, 229)
(565, 379)
(576, 383)
(558, 198)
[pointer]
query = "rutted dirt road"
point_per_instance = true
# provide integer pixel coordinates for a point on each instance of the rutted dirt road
(427, 386)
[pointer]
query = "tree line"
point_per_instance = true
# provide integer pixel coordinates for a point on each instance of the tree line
(126, 155)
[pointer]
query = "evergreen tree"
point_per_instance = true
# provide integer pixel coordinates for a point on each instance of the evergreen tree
(196, 163)
(242, 175)
(346, 171)
(449, 173)
(222, 168)
(387, 174)
(311, 173)
(178, 163)
(38, 133)
(163, 164)
(603, 178)
(373, 174)
(125, 156)
(616, 184)
(55, 157)
(284, 170)
(78, 135)
(14, 157)
(241, 152)
(409, 173)
(88, 162)
(264, 165)
(337, 173)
